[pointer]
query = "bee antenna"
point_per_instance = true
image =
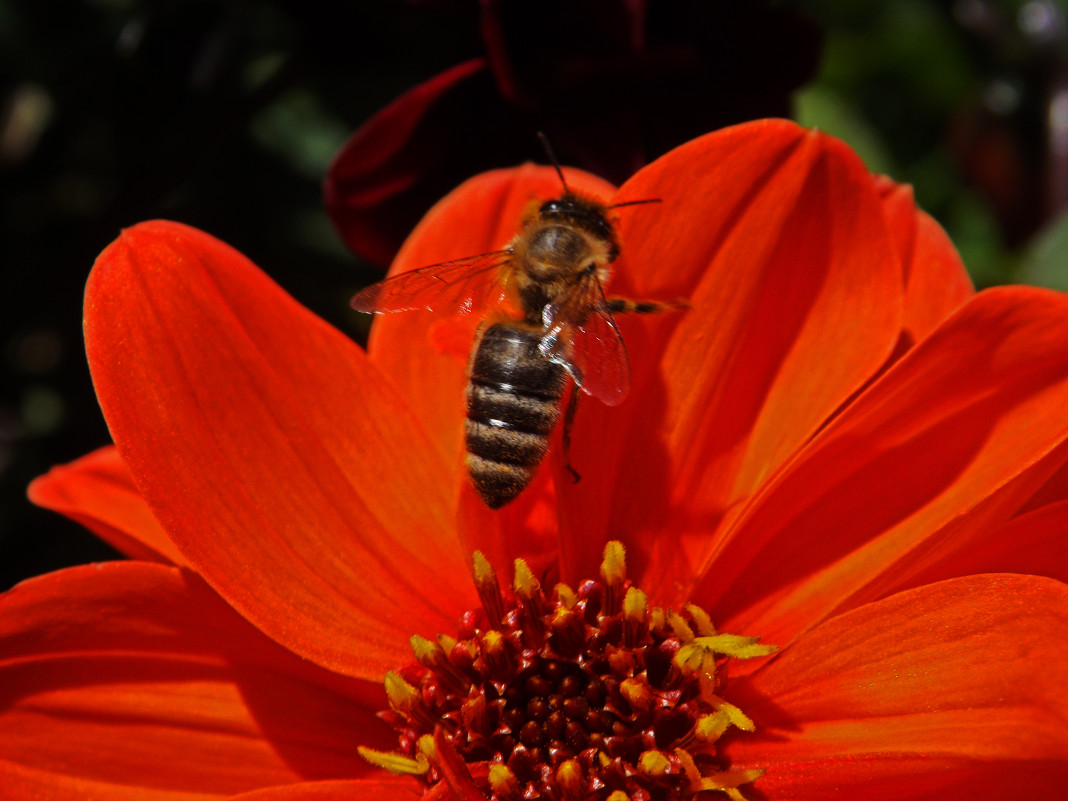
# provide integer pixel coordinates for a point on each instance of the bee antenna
(552, 158)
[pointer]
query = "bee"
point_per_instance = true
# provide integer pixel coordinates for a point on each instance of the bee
(555, 269)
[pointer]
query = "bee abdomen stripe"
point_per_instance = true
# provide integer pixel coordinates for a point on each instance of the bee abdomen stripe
(548, 393)
(503, 445)
(508, 356)
(505, 409)
(497, 482)
(513, 401)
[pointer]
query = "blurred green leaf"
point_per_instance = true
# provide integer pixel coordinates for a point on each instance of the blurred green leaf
(302, 132)
(1045, 261)
(974, 231)
(824, 108)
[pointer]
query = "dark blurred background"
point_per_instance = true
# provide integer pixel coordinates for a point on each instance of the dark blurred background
(226, 115)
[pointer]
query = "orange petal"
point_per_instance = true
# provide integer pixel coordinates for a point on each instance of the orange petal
(98, 492)
(936, 282)
(384, 788)
(952, 690)
(481, 215)
(1055, 488)
(963, 415)
(286, 471)
(1033, 543)
(988, 539)
(128, 678)
(778, 239)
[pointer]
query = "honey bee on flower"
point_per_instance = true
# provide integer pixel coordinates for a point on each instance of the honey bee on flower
(556, 267)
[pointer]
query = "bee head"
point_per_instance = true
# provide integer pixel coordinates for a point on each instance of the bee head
(584, 214)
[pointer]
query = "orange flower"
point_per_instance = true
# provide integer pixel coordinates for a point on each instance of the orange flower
(831, 451)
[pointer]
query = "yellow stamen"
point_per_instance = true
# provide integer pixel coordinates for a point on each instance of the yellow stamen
(570, 779)
(395, 763)
(701, 620)
(637, 693)
(736, 645)
(711, 727)
(622, 662)
(614, 573)
(737, 717)
(482, 569)
(498, 656)
(729, 779)
(725, 782)
(689, 658)
(654, 763)
(635, 606)
(402, 696)
(614, 566)
(432, 656)
(568, 630)
(706, 675)
(426, 652)
(503, 781)
(534, 608)
(426, 747)
(406, 699)
(689, 767)
(489, 591)
(680, 627)
(657, 619)
(565, 596)
(524, 583)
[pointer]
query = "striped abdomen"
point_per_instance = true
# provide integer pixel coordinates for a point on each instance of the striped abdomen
(513, 401)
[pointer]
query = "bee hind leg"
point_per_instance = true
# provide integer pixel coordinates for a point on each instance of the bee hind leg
(569, 418)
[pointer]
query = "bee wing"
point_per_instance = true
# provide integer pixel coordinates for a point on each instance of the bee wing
(581, 335)
(458, 286)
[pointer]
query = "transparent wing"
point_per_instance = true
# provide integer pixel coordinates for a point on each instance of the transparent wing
(459, 287)
(581, 335)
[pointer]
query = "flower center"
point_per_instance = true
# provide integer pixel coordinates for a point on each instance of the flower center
(570, 695)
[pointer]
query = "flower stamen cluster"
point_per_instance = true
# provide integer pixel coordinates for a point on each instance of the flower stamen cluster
(587, 694)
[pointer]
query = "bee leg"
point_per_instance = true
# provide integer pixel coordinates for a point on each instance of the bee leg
(628, 306)
(569, 418)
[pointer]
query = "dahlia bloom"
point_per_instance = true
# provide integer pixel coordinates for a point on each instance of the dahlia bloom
(838, 448)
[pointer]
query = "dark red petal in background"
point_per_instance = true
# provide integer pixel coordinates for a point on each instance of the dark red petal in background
(614, 84)
(98, 492)
(403, 159)
(127, 677)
